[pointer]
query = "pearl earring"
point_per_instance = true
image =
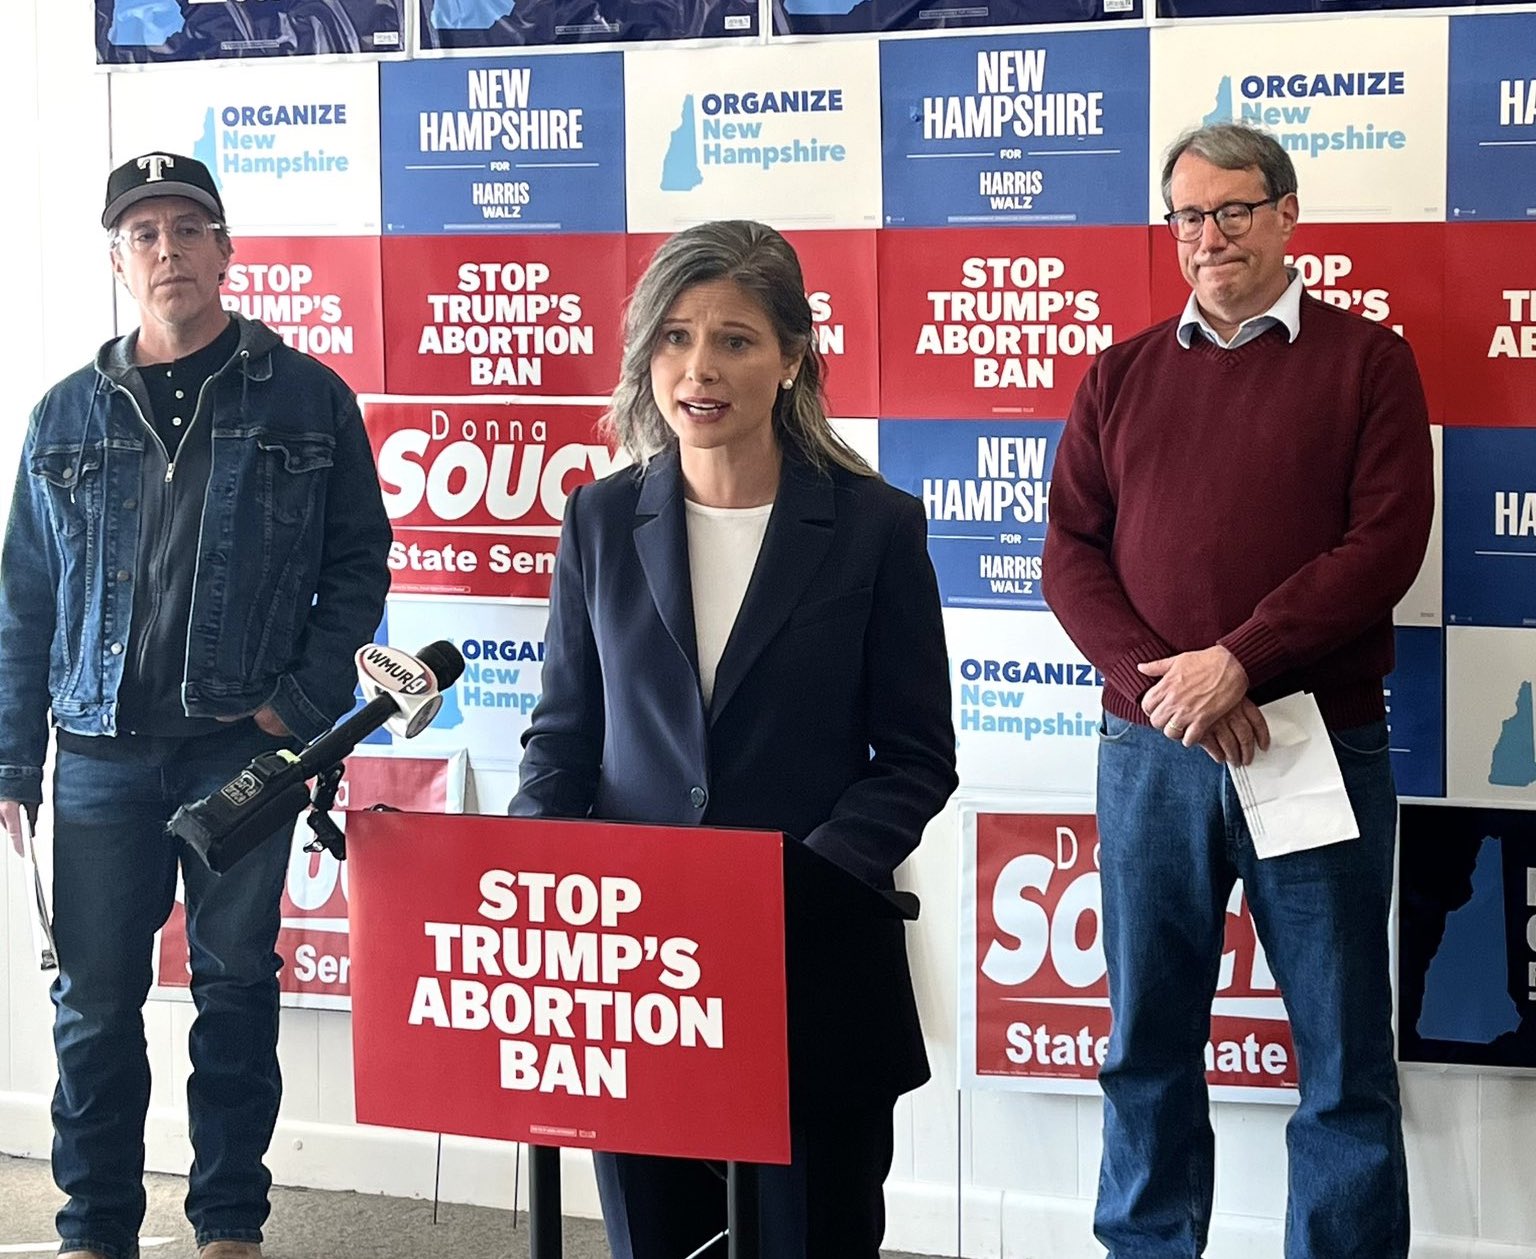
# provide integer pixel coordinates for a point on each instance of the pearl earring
(790, 383)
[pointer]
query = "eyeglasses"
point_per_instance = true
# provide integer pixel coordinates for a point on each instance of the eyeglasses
(1232, 219)
(142, 238)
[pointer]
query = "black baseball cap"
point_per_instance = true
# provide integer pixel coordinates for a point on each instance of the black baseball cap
(160, 175)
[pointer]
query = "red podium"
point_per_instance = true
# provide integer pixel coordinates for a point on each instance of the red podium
(582, 984)
(588, 984)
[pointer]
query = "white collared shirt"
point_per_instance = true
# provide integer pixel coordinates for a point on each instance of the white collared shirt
(1285, 311)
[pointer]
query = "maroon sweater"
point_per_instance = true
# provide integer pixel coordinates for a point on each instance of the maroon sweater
(1275, 499)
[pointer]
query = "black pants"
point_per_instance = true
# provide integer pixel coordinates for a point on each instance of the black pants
(827, 1203)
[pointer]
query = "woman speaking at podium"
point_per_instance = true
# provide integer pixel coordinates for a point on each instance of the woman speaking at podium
(744, 631)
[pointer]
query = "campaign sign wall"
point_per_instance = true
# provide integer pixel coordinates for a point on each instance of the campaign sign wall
(1015, 129)
(841, 17)
(503, 314)
(786, 135)
(1490, 723)
(487, 709)
(531, 144)
(313, 940)
(1026, 704)
(999, 323)
(985, 486)
(1359, 105)
(1491, 163)
(1490, 526)
(525, 23)
(839, 273)
(1490, 323)
(1424, 604)
(1466, 951)
(1035, 1000)
(294, 153)
(320, 296)
(1415, 695)
(475, 489)
(572, 983)
(134, 31)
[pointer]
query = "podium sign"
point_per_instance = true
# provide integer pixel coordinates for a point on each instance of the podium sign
(583, 984)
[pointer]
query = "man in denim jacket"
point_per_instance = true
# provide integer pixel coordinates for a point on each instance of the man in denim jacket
(196, 548)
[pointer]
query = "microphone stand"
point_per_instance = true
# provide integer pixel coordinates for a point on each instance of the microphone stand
(328, 836)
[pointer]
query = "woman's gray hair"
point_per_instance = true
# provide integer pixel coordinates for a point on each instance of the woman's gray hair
(765, 266)
(1233, 146)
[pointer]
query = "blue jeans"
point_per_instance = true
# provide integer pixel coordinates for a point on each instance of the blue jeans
(114, 885)
(1173, 841)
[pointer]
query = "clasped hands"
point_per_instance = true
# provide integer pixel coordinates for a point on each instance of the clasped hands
(1201, 698)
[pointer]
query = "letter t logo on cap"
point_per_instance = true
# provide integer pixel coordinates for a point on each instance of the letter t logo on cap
(154, 164)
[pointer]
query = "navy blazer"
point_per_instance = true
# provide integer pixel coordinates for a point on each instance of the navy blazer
(830, 720)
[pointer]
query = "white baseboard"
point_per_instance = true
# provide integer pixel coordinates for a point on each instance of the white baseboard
(1005, 1224)
(921, 1216)
(352, 1157)
(25, 1128)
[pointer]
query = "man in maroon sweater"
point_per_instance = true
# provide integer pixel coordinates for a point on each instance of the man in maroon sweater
(1241, 495)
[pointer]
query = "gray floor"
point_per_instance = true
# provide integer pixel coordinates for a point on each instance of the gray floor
(305, 1224)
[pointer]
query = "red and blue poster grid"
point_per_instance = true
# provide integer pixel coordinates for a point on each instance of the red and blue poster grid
(1018, 243)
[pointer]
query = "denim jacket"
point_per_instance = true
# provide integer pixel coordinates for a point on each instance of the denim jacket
(291, 554)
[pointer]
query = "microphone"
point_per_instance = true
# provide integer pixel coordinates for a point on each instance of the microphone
(401, 691)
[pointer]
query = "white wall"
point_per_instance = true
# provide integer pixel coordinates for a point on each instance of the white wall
(57, 307)
(1024, 1166)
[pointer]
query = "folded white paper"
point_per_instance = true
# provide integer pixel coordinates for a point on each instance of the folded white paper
(1293, 795)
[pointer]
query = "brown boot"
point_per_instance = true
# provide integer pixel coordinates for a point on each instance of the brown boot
(230, 1250)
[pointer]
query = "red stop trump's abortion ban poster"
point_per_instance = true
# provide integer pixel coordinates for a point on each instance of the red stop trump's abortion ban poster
(571, 983)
